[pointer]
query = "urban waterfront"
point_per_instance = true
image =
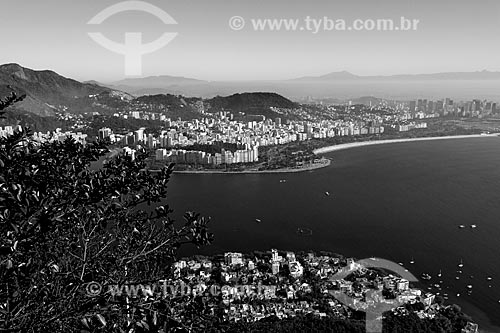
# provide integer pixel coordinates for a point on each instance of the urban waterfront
(403, 202)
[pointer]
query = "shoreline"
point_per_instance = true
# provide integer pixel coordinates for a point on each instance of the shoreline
(328, 149)
(314, 166)
(350, 145)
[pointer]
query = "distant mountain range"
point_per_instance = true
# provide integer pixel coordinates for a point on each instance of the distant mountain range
(341, 85)
(336, 76)
(158, 81)
(48, 92)
(344, 75)
(165, 81)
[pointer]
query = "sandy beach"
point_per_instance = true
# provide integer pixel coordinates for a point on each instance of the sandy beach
(329, 149)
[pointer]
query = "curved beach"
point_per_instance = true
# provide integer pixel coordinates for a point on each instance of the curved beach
(329, 149)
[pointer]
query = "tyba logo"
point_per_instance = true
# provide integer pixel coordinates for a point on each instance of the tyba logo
(132, 49)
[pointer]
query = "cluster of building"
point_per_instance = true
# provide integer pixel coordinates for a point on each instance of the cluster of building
(474, 108)
(174, 143)
(60, 136)
(181, 156)
(251, 135)
(57, 135)
(287, 284)
(8, 130)
(405, 127)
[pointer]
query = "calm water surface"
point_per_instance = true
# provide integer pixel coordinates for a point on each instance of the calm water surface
(395, 201)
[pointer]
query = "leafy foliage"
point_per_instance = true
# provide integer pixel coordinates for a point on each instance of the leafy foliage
(63, 225)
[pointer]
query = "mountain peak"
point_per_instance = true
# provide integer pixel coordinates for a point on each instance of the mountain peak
(339, 75)
(11, 66)
(14, 69)
(342, 75)
(24, 73)
(45, 88)
(159, 81)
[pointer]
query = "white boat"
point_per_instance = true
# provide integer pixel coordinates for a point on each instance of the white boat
(473, 226)
(426, 276)
(412, 261)
(327, 193)
(461, 226)
(258, 220)
(439, 275)
(461, 264)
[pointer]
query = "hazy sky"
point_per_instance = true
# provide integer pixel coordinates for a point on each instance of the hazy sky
(453, 35)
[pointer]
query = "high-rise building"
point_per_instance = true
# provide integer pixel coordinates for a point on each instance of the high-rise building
(151, 141)
(139, 135)
(160, 154)
(233, 258)
(104, 133)
(413, 106)
(275, 267)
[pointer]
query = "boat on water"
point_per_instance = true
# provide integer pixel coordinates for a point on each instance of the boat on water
(473, 226)
(304, 231)
(258, 220)
(412, 261)
(461, 226)
(461, 264)
(327, 193)
(426, 276)
(440, 274)
(282, 180)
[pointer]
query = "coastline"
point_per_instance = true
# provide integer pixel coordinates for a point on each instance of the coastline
(328, 149)
(314, 166)
(350, 145)
(478, 315)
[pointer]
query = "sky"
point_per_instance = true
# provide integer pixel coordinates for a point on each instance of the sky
(452, 35)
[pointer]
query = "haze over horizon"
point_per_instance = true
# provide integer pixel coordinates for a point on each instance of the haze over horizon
(452, 36)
